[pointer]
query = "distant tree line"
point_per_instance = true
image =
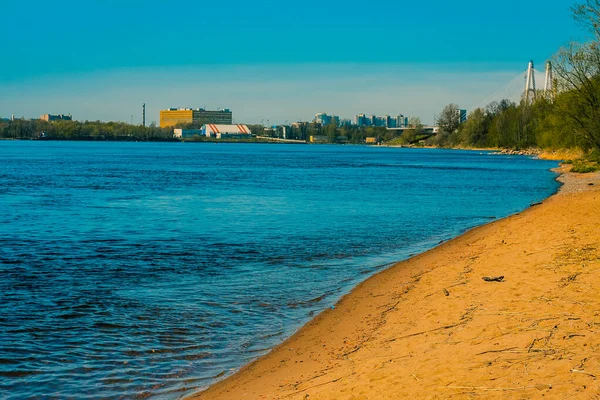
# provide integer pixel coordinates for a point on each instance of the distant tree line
(330, 133)
(120, 131)
(88, 130)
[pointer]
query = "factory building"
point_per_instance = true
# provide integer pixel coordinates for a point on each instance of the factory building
(174, 116)
(59, 117)
(226, 131)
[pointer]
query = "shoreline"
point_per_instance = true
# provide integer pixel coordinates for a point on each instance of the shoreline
(417, 326)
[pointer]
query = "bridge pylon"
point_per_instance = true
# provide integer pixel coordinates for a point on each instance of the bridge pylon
(549, 89)
(530, 95)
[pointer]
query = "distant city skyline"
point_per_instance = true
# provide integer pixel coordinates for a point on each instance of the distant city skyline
(416, 57)
(290, 93)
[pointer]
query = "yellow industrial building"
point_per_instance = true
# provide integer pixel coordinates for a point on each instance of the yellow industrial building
(59, 117)
(174, 116)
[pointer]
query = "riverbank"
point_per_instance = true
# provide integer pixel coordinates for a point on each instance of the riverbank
(432, 327)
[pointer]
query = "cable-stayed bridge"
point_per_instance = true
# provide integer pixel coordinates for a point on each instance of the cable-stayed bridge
(527, 85)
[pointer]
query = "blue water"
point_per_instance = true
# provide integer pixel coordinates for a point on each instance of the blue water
(136, 269)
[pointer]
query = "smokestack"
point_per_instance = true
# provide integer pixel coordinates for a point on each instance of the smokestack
(144, 115)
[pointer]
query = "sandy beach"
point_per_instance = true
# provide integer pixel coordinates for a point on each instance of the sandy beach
(432, 327)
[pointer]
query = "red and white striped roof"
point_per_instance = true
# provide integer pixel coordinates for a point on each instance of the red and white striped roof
(227, 129)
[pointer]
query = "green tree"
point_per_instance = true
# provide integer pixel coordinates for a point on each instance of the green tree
(415, 123)
(409, 136)
(554, 131)
(474, 131)
(76, 130)
(577, 67)
(257, 129)
(449, 119)
(331, 131)
(587, 14)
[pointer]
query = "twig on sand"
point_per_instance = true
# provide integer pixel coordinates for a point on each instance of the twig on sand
(457, 284)
(317, 385)
(493, 278)
(428, 331)
(323, 372)
(539, 387)
(390, 309)
(578, 371)
(446, 288)
(537, 321)
(572, 335)
(495, 351)
(357, 348)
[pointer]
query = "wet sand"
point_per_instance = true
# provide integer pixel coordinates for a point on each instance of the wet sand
(431, 327)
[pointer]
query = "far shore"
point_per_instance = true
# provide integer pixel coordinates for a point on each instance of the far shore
(562, 154)
(432, 327)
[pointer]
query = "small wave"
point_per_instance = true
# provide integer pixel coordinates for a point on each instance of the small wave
(165, 350)
(108, 325)
(20, 373)
(261, 350)
(191, 357)
(221, 245)
(309, 302)
(11, 262)
(271, 335)
(71, 316)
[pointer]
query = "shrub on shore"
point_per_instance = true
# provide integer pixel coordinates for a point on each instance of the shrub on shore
(584, 167)
(589, 163)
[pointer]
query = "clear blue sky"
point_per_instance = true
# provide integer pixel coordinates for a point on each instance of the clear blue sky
(117, 54)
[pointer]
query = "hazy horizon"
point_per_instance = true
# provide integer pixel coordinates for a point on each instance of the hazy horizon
(276, 63)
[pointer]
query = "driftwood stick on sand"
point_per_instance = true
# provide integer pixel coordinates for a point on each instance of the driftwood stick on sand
(428, 331)
(539, 387)
(446, 288)
(495, 351)
(352, 351)
(493, 278)
(390, 308)
(317, 385)
(578, 371)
